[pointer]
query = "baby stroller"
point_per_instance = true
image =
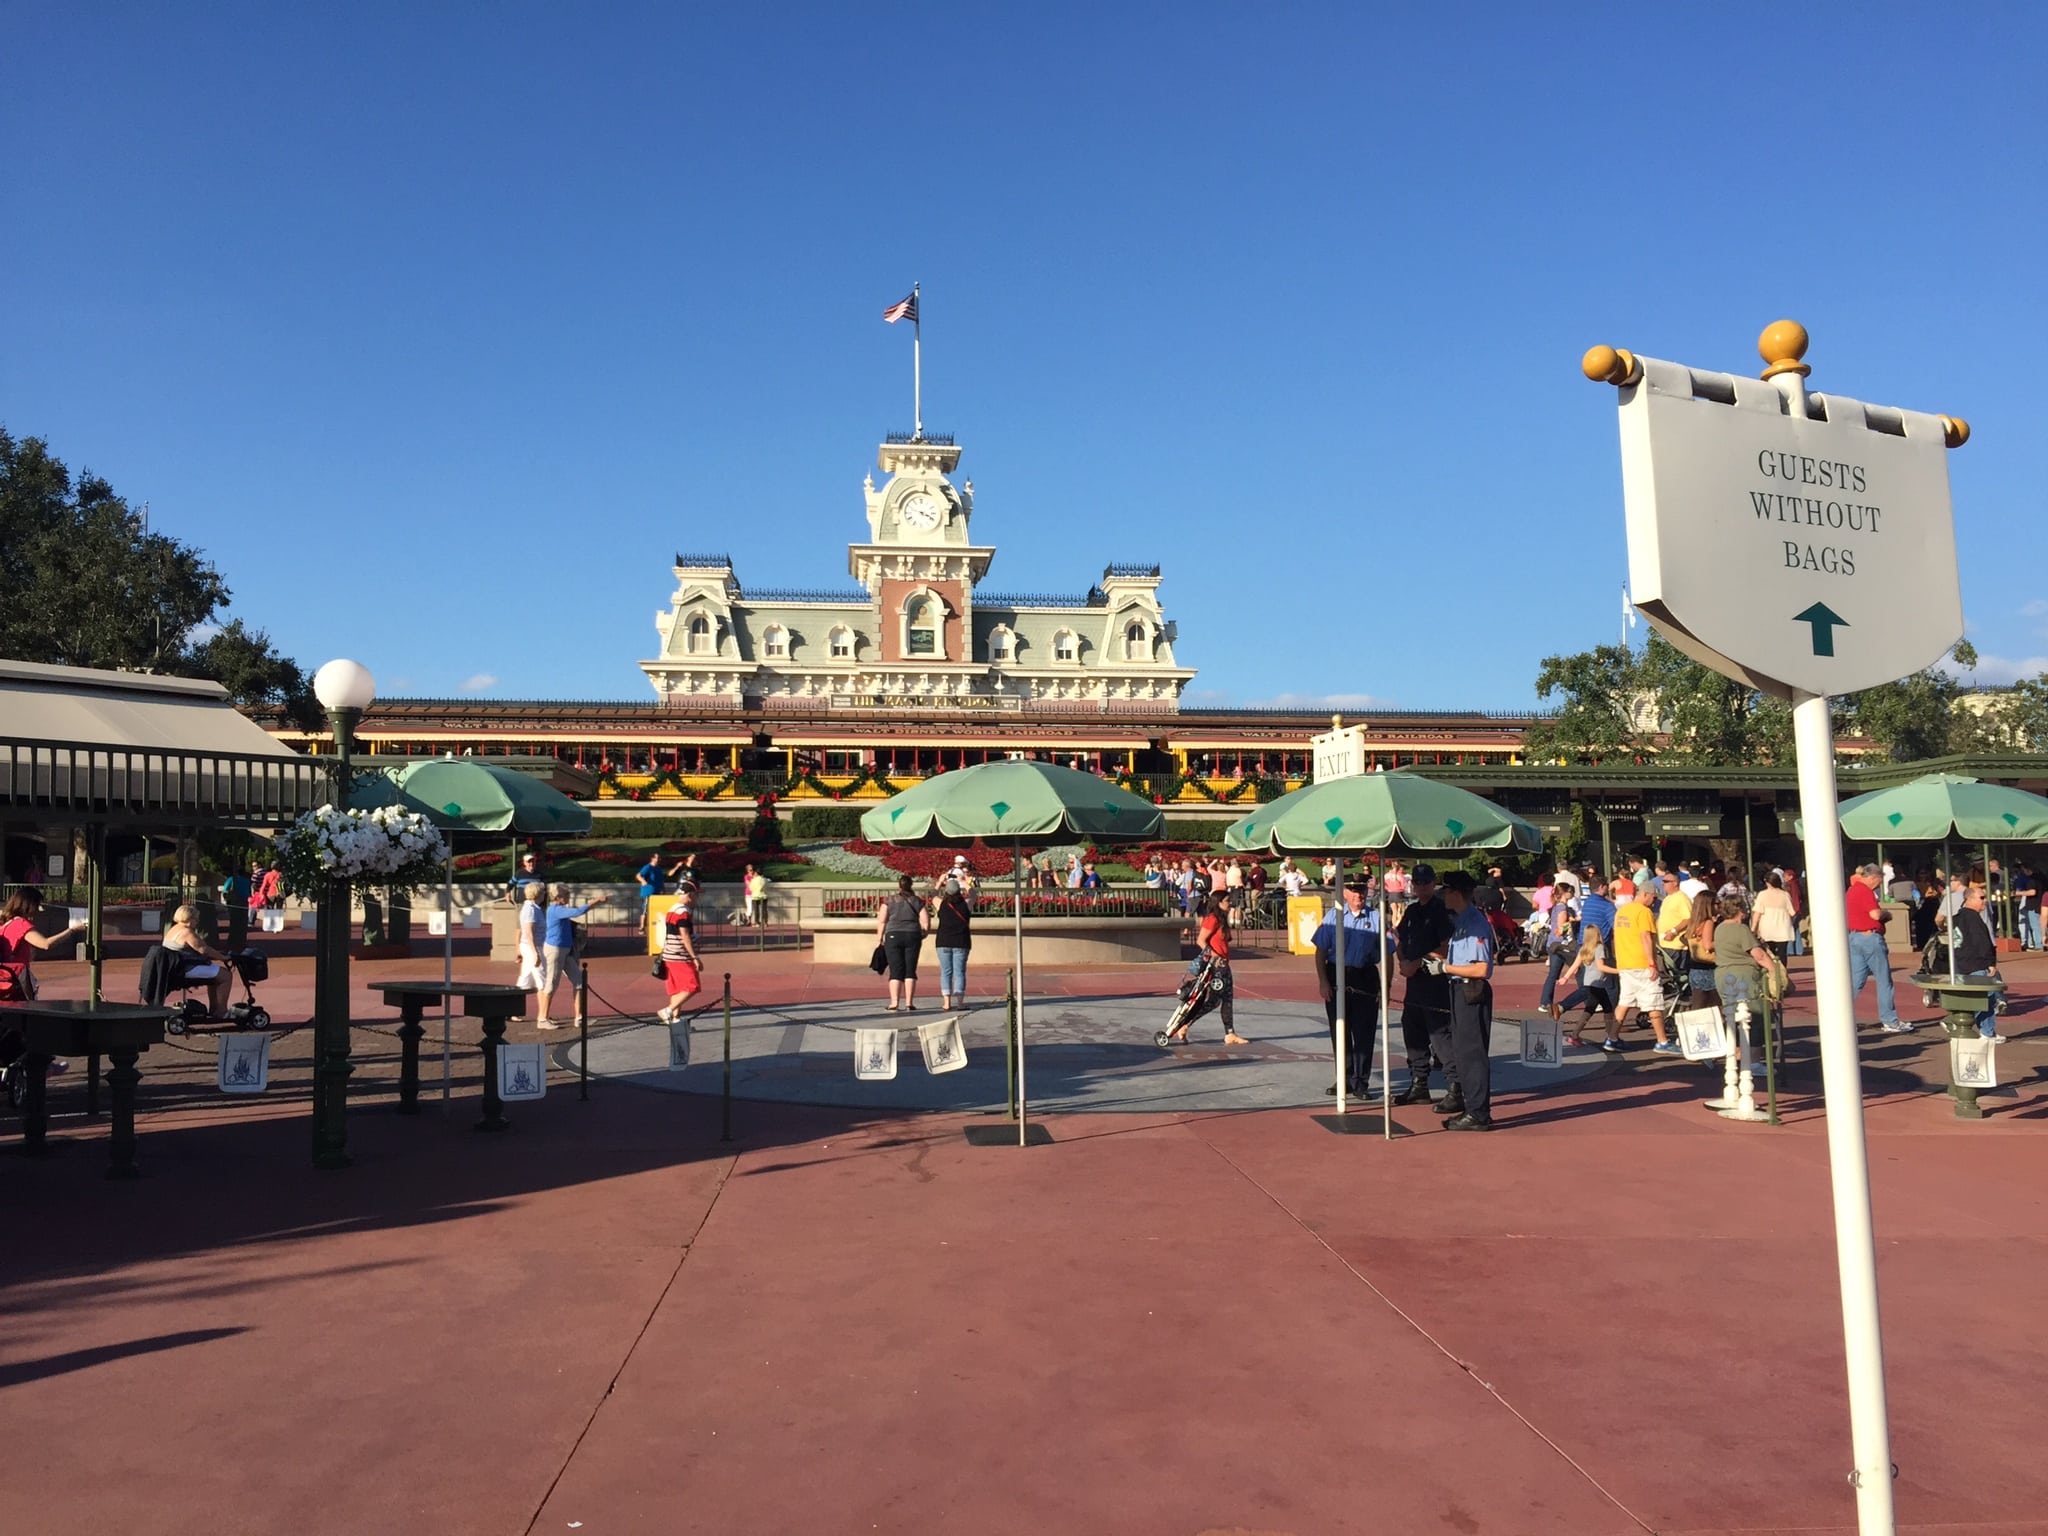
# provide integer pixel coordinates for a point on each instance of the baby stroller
(1510, 938)
(1674, 978)
(1199, 993)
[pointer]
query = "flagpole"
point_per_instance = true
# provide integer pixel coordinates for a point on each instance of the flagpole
(916, 364)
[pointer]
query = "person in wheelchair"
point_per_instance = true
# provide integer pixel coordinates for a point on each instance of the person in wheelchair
(199, 961)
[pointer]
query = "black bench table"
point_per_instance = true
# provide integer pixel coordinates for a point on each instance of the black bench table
(492, 1002)
(74, 1027)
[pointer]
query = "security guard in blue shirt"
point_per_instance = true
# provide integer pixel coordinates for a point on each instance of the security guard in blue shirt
(1361, 982)
(1468, 1032)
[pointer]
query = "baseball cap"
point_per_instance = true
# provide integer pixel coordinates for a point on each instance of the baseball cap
(1423, 872)
(1624, 887)
(1458, 880)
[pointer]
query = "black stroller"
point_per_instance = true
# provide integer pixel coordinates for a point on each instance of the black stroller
(1199, 993)
(163, 974)
(1674, 979)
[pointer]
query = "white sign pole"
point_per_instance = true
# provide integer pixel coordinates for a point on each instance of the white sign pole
(1841, 1065)
(1337, 957)
(1755, 515)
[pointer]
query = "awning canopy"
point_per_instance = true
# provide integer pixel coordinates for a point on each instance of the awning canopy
(83, 744)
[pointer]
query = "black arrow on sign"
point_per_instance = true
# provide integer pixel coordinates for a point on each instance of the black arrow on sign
(1823, 619)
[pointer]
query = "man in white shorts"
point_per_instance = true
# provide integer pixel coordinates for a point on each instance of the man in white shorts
(1635, 960)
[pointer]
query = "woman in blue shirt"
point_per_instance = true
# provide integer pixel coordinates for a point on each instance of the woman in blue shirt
(558, 954)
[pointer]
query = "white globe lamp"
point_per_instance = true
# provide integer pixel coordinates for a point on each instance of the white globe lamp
(343, 684)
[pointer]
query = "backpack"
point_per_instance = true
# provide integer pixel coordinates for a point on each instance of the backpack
(1776, 982)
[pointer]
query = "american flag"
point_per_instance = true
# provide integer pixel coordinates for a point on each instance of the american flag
(904, 310)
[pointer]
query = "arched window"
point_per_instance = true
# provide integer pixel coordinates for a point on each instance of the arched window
(699, 634)
(775, 640)
(921, 622)
(1063, 646)
(842, 643)
(1136, 646)
(1001, 643)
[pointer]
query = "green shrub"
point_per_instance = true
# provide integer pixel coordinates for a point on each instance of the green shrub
(1200, 829)
(661, 829)
(814, 822)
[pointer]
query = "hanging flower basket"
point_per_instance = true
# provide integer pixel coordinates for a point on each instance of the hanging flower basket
(393, 848)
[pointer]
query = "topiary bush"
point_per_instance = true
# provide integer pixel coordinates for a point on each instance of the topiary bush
(818, 823)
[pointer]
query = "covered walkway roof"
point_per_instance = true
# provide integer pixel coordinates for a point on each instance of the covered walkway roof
(78, 744)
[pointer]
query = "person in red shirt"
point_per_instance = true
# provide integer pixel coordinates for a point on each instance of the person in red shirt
(1868, 957)
(1213, 938)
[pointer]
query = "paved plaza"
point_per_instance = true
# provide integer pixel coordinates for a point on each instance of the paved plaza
(1196, 1310)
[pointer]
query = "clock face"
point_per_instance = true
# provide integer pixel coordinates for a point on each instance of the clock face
(920, 510)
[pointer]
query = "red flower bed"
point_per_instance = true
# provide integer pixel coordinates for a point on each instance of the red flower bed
(927, 863)
(479, 860)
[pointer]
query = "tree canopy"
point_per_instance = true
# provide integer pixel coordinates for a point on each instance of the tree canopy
(1617, 703)
(87, 583)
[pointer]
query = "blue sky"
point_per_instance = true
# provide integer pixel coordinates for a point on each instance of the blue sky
(441, 327)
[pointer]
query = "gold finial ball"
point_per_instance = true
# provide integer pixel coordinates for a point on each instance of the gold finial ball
(1783, 343)
(1599, 364)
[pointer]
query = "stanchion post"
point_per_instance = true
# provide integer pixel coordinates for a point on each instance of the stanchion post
(583, 1035)
(725, 1102)
(1771, 1066)
(1010, 1042)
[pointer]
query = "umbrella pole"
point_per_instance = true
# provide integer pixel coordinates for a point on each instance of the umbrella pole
(1017, 874)
(1386, 1041)
(448, 973)
(1338, 955)
(1948, 876)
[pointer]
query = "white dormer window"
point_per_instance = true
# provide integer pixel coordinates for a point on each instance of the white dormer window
(1063, 648)
(775, 640)
(1137, 645)
(1001, 643)
(921, 627)
(699, 634)
(842, 643)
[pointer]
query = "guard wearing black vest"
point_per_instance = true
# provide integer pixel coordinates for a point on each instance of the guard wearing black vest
(1421, 941)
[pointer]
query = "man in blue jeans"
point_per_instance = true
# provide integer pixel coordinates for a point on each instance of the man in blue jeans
(1868, 956)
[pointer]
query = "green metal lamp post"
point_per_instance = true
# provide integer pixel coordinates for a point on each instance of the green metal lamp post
(345, 689)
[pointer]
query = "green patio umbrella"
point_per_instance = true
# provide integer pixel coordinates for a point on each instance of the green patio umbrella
(1013, 800)
(1378, 813)
(468, 795)
(1938, 806)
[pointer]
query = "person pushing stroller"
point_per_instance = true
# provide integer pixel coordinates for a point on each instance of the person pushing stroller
(1211, 984)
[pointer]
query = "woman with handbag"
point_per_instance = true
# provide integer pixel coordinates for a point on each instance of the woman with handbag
(1740, 965)
(678, 966)
(901, 922)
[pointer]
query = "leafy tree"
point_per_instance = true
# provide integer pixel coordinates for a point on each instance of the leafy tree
(1601, 691)
(2014, 721)
(1917, 717)
(87, 584)
(1709, 718)
(242, 661)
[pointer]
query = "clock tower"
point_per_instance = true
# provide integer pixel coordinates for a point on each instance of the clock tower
(919, 565)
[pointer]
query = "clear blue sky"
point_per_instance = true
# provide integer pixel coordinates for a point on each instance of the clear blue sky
(441, 327)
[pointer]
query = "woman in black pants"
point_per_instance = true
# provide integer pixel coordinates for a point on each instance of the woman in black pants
(901, 923)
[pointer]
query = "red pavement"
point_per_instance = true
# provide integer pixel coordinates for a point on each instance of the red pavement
(1617, 1314)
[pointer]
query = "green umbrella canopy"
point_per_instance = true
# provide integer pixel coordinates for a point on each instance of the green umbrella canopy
(467, 794)
(1012, 800)
(1937, 806)
(1380, 811)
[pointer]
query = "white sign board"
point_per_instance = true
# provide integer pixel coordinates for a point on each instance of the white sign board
(1815, 554)
(1338, 754)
